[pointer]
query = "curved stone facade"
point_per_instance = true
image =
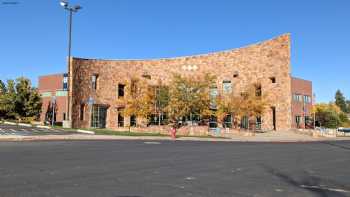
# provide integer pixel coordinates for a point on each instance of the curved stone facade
(259, 63)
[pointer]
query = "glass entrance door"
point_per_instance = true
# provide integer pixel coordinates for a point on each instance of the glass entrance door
(98, 116)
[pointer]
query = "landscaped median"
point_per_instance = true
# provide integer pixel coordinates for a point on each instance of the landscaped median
(136, 134)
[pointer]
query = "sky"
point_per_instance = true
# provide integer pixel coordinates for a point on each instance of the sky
(34, 34)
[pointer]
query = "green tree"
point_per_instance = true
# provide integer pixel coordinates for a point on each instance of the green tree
(348, 106)
(2, 88)
(19, 100)
(340, 101)
(330, 115)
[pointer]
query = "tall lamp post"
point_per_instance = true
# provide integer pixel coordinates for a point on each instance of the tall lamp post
(71, 10)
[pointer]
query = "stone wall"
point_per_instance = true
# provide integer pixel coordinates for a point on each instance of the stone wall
(257, 63)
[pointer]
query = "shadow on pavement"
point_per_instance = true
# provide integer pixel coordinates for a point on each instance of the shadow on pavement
(310, 183)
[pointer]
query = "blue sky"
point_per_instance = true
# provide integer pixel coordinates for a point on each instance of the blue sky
(33, 34)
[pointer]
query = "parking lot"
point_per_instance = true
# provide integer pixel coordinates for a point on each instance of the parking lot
(28, 131)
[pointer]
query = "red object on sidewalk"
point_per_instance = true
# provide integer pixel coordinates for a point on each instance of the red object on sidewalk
(173, 133)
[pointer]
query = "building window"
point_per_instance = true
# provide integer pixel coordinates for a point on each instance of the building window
(64, 116)
(146, 76)
(213, 93)
(227, 121)
(258, 91)
(227, 87)
(120, 117)
(298, 120)
(297, 97)
(94, 79)
(235, 74)
(244, 122)
(258, 123)
(98, 116)
(273, 79)
(307, 99)
(133, 121)
(65, 81)
(82, 106)
(121, 88)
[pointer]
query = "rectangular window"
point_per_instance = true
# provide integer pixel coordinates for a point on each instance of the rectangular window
(244, 122)
(273, 79)
(94, 79)
(298, 120)
(258, 91)
(297, 97)
(227, 87)
(258, 123)
(120, 117)
(121, 88)
(64, 116)
(98, 116)
(82, 106)
(133, 121)
(213, 93)
(307, 99)
(227, 121)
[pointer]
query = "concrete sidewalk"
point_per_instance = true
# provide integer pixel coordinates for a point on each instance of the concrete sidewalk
(281, 136)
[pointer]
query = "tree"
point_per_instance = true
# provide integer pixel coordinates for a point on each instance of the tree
(189, 96)
(348, 106)
(251, 103)
(330, 115)
(139, 99)
(19, 100)
(340, 101)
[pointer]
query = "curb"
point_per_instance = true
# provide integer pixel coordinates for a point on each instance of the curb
(89, 137)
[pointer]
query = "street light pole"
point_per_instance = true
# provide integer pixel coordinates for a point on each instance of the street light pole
(71, 9)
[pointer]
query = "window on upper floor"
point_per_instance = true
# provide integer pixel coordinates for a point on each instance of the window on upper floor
(297, 98)
(258, 90)
(227, 87)
(273, 79)
(94, 79)
(121, 88)
(213, 93)
(307, 99)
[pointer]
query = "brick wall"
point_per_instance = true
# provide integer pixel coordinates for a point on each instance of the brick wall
(301, 108)
(50, 84)
(254, 64)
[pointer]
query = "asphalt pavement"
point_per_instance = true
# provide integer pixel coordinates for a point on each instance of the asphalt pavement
(29, 131)
(173, 168)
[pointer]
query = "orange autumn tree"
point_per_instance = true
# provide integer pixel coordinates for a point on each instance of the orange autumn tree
(252, 102)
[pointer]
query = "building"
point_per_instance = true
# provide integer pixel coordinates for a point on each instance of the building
(302, 103)
(53, 91)
(97, 85)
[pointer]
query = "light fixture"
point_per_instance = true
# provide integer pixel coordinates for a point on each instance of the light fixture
(64, 3)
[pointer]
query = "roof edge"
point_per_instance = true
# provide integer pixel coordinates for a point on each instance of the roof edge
(188, 56)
